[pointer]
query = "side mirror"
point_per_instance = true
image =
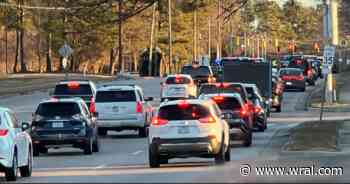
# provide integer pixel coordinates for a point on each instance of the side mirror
(25, 126)
(149, 99)
(95, 114)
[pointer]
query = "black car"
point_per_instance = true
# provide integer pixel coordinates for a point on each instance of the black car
(307, 69)
(83, 89)
(64, 122)
(293, 78)
(200, 73)
(261, 107)
(224, 87)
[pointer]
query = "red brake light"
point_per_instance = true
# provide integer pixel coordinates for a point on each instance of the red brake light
(257, 109)
(183, 104)
(300, 77)
(53, 99)
(73, 84)
(309, 72)
(3, 132)
(218, 98)
(159, 121)
(139, 108)
(244, 111)
(92, 107)
(222, 85)
(208, 119)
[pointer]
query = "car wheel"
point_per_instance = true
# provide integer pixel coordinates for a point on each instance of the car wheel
(228, 152)
(26, 171)
(262, 127)
(96, 145)
(102, 131)
(279, 108)
(163, 161)
(88, 147)
(220, 157)
(248, 138)
(36, 151)
(12, 172)
(43, 150)
(153, 156)
(143, 132)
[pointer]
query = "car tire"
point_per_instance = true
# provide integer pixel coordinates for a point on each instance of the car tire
(88, 147)
(220, 157)
(26, 171)
(279, 108)
(12, 172)
(96, 145)
(43, 150)
(262, 128)
(153, 156)
(248, 138)
(36, 151)
(228, 152)
(143, 132)
(102, 131)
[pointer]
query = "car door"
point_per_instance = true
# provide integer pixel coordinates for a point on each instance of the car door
(145, 105)
(20, 138)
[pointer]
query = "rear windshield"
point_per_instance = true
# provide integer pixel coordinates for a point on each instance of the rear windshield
(290, 72)
(212, 89)
(229, 103)
(190, 112)
(178, 80)
(63, 109)
(196, 72)
(81, 89)
(115, 96)
(250, 90)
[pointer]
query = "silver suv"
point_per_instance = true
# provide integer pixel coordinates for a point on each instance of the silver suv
(123, 107)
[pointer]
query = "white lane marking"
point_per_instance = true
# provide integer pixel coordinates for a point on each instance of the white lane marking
(101, 166)
(137, 152)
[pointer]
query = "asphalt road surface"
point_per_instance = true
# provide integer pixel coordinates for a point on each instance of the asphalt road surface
(124, 157)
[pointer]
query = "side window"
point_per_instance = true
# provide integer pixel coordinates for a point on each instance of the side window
(140, 95)
(12, 120)
(84, 109)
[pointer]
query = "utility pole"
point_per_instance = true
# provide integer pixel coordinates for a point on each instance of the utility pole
(170, 37)
(195, 31)
(120, 39)
(218, 47)
(150, 59)
(209, 39)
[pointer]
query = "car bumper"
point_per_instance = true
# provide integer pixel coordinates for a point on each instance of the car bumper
(294, 84)
(187, 146)
(4, 163)
(59, 140)
(102, 123)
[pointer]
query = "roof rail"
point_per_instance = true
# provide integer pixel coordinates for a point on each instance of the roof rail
(68, 80)
(107, 85)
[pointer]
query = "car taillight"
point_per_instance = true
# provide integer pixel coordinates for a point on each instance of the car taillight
(183, 104)
(208, 119)
(92, 107)
(139, 108)
(243, 112)
(286, 78)
(159, 121)
(218, 99)
(300, 77)
(73, 84)
(257, 109)
(3, 132)
(309, 72)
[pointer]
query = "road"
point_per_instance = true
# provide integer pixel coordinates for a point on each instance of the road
(124, 156)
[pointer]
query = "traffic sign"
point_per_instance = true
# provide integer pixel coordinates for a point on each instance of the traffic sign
(64, 62)
(65, 51)
(328, 54)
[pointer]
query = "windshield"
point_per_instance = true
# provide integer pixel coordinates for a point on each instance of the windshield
(62, 109)
(190, 112)
(115, 96)
(77, 90)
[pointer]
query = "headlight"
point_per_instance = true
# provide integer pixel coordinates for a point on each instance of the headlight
(37, 118)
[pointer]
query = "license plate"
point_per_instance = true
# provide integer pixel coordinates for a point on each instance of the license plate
(183, 130)
(57, 125)
(289, 83)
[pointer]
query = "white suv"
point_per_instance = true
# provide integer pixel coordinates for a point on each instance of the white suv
(188, 128)
(123, 107)
(16, 150)
(179, 86)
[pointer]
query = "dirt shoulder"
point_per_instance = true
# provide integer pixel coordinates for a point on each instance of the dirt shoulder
(26, 83)
(314, 136)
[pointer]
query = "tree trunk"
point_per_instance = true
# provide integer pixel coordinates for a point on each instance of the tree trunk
(120, 39)
(111, 61)
(17, 52)
(49, 54)
(23, 64)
